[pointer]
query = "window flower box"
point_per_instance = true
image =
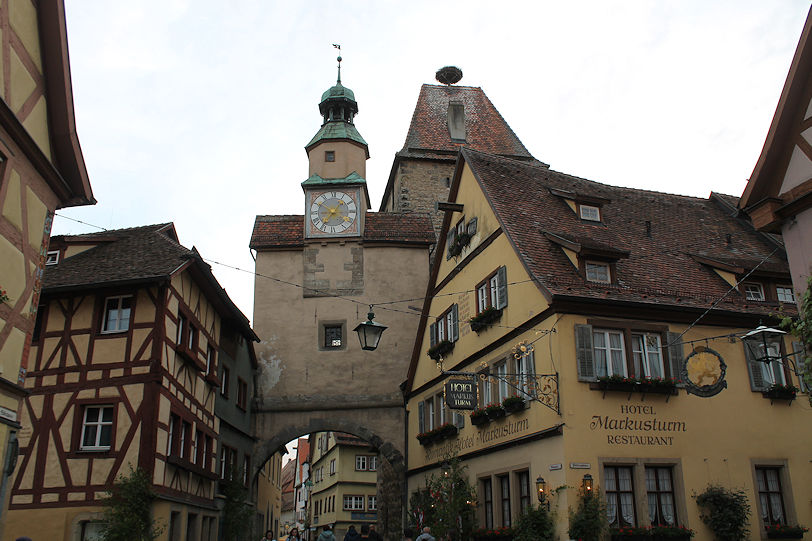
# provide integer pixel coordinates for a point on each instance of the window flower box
(495, 411)
(671, 533)
(485, 318)
(461, 241)
(494, 534)
(637, 385)
(781, 392)
(440, 349)
(783, 531)
(446, 431)
(479, 417)
(426, 438)
(513, 404)
(630, 533)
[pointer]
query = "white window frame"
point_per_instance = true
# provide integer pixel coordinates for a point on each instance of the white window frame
(98, 424)
(372, 503)
(373, 463)
(526, 370)
(646, 355)
(209, 359)
(353, 503)
(333, 467)
(430, 406)
(502, 385)
(770, 370)
(785, 294)
(590, 212)
(591, 271)
(608, 351)
(52, 257)
(753, 291)
(119, 310)
(482, 297)
(361, 463)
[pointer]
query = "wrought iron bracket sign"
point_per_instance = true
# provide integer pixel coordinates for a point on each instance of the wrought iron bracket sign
(704, 372)
(461, 394)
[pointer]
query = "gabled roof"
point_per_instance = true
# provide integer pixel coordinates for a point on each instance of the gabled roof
(767, 176)
(486, 130)
(137, 255)
(287, 231)
(652, 267)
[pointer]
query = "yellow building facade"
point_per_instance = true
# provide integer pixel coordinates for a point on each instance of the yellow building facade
(269, 497)
(573, 296)
(41, 169)
(344, 492)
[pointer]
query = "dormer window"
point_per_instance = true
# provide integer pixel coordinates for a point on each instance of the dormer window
(52, 257)
(753, 291)
(785, 294)
(597, 271)
(589, 212)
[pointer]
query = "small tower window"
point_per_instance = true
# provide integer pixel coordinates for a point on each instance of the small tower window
(329, 156)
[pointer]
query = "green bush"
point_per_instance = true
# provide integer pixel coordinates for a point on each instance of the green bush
(588, 521)
(726, 512)
(128, 509)
(535, 524)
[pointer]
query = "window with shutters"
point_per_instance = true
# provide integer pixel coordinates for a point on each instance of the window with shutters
(525, 374)
(446, 327)
(628, 349)
(764, 375)
(492, 291)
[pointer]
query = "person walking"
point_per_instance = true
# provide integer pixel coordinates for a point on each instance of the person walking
(352, 534)
(268, 536)
(426, 535)
(373, 534)
(294, 535)
(326, 534)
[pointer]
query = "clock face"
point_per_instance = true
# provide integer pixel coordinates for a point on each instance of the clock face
(333, 212)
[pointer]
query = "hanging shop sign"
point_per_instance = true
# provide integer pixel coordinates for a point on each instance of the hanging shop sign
(704, 372)
(460, 394)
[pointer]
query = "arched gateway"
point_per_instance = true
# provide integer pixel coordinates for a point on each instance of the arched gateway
(316, 275)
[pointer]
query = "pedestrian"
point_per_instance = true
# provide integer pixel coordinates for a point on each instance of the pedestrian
(365, 532)
(352, 534)
(426, 535)
(294, 535)
(326, 534)
(373, 534)
(268, 536)
(408, 534)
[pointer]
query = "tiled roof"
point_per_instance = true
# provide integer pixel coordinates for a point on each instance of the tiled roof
(288, 231)
(123, 255)
(485, 128)
(136, 255)
(660, 267)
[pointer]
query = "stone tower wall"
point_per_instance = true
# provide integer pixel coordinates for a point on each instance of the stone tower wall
(419, 184)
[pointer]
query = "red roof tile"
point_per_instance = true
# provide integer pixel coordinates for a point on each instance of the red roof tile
(288, 231)
(659, 268)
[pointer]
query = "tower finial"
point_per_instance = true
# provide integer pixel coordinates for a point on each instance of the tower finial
(337, 46)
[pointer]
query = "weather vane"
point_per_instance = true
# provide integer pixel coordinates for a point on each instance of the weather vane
(338, 46)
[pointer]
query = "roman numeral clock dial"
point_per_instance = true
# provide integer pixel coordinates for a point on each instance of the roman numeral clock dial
(333, 212)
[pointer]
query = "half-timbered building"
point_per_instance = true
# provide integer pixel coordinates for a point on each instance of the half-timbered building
(41, 170)
(123, 374)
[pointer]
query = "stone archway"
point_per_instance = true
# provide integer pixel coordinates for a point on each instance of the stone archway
(381, 427)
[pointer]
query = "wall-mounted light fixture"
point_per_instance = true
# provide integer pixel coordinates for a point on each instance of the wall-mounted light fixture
(586, 484)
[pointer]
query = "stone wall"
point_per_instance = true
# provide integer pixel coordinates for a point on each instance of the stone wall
(420, 184)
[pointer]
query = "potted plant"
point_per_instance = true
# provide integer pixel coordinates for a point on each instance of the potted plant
(658, 385)
(493, 534)
(726, 512)
(3, 295)
(482, 320)
(440, 349)
(629, 533)
(426, 438)
(513, 403)
(495, 411)
(446, 430)
(781, 392)
(784, 531)
(461, 241)
(618, 383)
(479, 417)
(671, 533)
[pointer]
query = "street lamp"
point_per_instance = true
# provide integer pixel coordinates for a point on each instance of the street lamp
(587, 485)
(764, 344)
(369, 332)
(541, 489)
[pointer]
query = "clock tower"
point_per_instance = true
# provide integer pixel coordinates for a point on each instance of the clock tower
(336, 197)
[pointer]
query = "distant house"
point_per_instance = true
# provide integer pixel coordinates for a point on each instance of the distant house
(41, 170)
(778, 196)
(288, 517)
(124, 372)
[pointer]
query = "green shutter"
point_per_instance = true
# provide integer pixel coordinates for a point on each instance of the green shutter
(676, 355)
(757, 382)
(449, 241)
(455, 323)
(501, 288)
(421, 417)
(584, 353)
(432, 335)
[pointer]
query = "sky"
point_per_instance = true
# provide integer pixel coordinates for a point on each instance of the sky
(197, 112)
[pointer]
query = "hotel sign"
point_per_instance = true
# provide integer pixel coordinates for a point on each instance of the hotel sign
(460, 394)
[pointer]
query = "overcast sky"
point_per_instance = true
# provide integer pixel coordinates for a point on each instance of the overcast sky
(197, 112)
